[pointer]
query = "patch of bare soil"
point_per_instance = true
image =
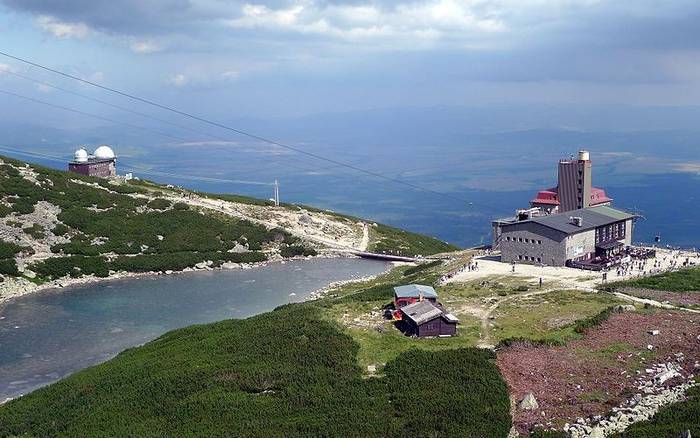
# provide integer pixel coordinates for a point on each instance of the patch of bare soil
(590, 376)
(676, 298)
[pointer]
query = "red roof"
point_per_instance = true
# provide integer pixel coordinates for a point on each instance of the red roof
(598, 196)
(551, 197)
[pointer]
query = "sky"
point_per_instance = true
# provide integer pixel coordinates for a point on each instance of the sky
(223, 58)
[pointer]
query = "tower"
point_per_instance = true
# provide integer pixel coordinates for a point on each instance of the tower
(574, 187)
(277, 194)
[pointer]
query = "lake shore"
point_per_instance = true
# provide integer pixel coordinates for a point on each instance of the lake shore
(15, 287)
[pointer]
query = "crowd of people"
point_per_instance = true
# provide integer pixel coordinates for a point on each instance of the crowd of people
(650, 266)
(467, 267)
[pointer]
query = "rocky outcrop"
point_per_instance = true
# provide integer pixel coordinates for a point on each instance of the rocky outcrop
(529, 402)
(654, 394)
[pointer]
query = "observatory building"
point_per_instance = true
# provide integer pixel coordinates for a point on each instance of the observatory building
(574, 189)
(571, 224)
(102, 163)
(593, 236)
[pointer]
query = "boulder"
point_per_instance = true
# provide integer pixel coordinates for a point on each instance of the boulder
(529, 402)
(201, 265)
(624, 308)
(654, 332)
(666, 375)
(596, 432)
(238, 249)
(685, 434)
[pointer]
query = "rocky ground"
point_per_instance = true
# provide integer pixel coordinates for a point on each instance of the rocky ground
(620, 372)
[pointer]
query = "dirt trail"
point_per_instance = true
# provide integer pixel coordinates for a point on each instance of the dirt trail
(485, 339)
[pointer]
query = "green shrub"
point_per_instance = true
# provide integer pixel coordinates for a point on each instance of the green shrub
(60, 230)
(181, 206)
(8, 267)
(297, 250)
(159, 204)
(5, 210)
(35, 230)
(75, 266)
(23, 205)
(584, 324)
(8, 249)
(510, 342)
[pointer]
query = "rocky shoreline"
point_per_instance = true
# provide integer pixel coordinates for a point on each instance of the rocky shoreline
(320, 293)
(17, 287)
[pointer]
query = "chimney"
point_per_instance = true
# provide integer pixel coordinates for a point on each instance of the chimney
(578, 221)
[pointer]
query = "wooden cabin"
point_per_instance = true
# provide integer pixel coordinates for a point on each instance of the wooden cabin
(423, 319)
(412, 293)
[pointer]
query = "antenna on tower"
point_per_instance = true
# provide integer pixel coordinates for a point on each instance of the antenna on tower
(277, 194)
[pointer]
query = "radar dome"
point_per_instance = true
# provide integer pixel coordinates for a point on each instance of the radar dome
(80, 155)
(104, 153)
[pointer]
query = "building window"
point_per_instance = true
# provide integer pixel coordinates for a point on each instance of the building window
(539, 259)
(539, 242)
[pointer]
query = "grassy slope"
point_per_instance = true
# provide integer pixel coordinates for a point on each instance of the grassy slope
(684, 280)
(283, 373)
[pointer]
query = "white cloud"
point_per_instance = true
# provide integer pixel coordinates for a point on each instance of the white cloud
(145, 46)
(43, 88)
(231, 75)
(179, 80)
(407, 22)
(61, 29)
(7, 68)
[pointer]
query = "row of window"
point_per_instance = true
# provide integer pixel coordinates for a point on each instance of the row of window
(530, 259)
(610, 232)
(522, 240)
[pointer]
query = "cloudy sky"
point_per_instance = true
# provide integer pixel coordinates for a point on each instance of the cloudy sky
(280, 58)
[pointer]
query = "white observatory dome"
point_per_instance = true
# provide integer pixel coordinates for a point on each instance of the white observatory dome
(81, 155)
(104, 153)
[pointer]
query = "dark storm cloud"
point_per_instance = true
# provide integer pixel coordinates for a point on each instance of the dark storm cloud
(124, 16)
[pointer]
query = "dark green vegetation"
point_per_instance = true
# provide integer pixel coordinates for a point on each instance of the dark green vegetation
(297, 250)
(7, 261)
(584, 324)
(75, 266)
(670, 421)
(684, 280)
(283, 373)
(390, 240)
